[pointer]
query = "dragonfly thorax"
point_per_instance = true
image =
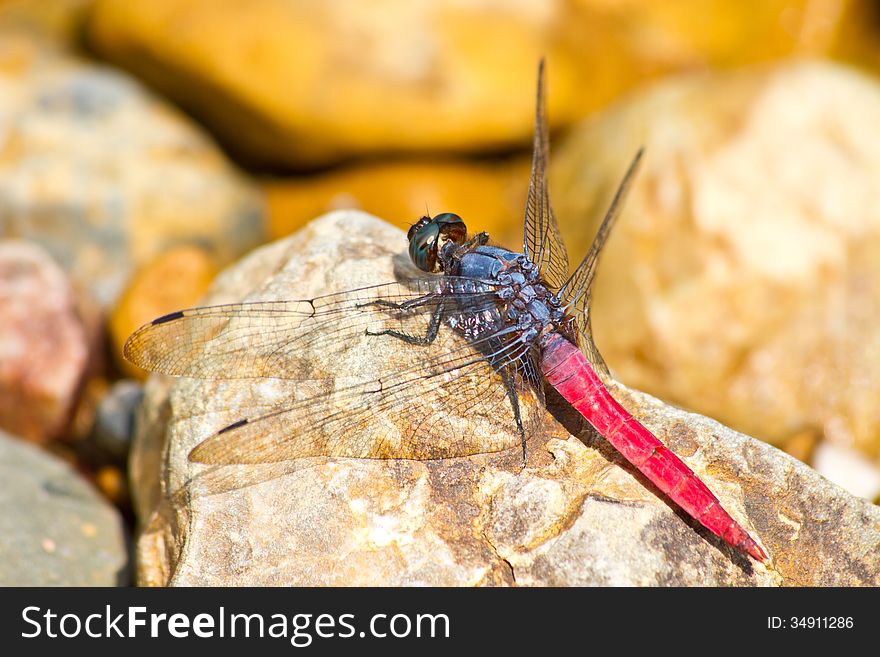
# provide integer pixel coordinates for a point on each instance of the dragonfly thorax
(527, 301)
(524, 301)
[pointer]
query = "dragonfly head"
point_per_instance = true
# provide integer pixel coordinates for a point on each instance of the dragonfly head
(429, 235)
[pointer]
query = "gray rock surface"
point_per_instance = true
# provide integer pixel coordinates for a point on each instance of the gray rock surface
(105, 175)
(113, 429)
(576, 515)
(55, 529)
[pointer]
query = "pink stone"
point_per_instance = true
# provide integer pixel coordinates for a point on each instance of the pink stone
(43, 344)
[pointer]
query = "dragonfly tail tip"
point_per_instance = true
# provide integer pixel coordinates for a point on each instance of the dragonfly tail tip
(757, 553)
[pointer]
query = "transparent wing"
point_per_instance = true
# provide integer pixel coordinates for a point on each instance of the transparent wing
(356, 394)
(542, 242)
(449, 405)
(576, 292)
(278, 339)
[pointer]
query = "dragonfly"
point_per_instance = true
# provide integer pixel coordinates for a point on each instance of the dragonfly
(485, 330)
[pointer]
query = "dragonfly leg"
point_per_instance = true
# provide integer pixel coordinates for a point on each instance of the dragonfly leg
(428, 338)
(480, 239)
(406, 305)
(514, 401)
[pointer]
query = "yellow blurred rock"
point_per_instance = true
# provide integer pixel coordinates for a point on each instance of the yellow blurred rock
(489, 196)
(295, 82)
(112, 483)
(60, 20)
(719, 33)
(298, 83)
(174, 280)
(743, 280)
(859, 40)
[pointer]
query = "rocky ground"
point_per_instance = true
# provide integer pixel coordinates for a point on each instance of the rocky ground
(577, 514)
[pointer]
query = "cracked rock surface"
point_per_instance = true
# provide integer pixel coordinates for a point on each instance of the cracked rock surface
(576, 515)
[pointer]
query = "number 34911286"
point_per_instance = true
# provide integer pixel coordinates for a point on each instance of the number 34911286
(810, 622)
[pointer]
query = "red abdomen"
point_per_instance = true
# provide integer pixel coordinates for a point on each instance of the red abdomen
(567, 369)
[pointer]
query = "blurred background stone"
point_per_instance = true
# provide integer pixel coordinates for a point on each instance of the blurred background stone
(743, 280)
(297, 84)
(489, 195)
(859, 38)
(701, 34)
(172, 280)
(105, 175)
(104, 450)
(55, 530)
(300, 84)
(114, 421)
(43, 344)
(848, 468)
(61, 21)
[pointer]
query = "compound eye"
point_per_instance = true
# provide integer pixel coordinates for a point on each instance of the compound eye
(423, 245)
(452, 228)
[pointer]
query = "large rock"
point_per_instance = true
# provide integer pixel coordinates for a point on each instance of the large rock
(297, 83)
(106, 176)
(743, 279)
(44, 346)
(575, 515)
(55, 530)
